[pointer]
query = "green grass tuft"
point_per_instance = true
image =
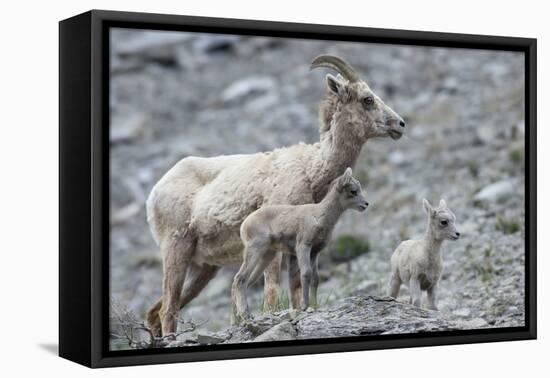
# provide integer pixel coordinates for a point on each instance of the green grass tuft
(347, 247)
(507, 226)
(516, 155)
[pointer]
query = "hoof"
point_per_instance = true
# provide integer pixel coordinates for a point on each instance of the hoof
(310, 309)
(293, 313)
(169, 337)
(243, 318)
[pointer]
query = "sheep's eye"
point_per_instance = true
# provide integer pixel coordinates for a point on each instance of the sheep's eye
(368, 101)
(444, 223)
(353, 192)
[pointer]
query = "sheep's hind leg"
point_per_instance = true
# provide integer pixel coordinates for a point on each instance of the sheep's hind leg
(416, 292)
(256, 258)
(314, 277)
(395, 285)
(177, 255)
(199, 276)
(294, 284)
(272, 283)
(432, 296)
(153, 319)
(303, 255)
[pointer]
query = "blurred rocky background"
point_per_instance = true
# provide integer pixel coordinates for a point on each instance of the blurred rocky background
(178, 94)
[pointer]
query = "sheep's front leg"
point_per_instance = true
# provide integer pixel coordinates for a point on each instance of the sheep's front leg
(303, 255)
(177, 254)
(416, 292)
(314, 278)
(432, 296)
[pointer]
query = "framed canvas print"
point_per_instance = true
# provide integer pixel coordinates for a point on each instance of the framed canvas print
(234, 188)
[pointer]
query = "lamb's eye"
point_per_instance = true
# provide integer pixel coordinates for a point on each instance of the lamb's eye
(368, 101)
(444, 223)
(353, 192)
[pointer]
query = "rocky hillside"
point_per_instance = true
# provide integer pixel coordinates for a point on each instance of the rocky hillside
(175, 95)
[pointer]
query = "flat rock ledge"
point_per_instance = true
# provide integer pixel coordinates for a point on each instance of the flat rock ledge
(352, 316)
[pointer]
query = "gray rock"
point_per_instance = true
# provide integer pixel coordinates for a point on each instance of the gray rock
(352, 316)
(125, 213)
(367, 287)
(153, 47)
(207, 338)
(282, 331)
(473, 323)
(465, 312)
(127, 128)
(497, 191)
(215, 43)
(246, 88)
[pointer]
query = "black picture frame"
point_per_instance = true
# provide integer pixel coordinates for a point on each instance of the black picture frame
(84, 187)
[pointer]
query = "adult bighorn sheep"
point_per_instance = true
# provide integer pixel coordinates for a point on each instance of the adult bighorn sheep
(196, 209)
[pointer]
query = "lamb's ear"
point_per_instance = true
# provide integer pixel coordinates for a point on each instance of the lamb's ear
(442, 204)
(347, 175)
(335, 85)
(344, 180)
(427, 207)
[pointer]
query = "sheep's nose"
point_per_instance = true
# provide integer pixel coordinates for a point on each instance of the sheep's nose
(402, 123)
(366, 204)
(457, 234)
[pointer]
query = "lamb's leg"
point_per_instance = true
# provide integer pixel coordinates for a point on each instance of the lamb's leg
(395, 285)
(294, 285)
(272, 283)
(255, 258)
(432, 296)
(177, 255)
(198, 277)
(416, 292)
(314, 278)
(303, 255)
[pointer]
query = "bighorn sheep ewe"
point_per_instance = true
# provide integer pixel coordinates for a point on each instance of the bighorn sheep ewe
(196, 209)
(419, 262)
(302, 230)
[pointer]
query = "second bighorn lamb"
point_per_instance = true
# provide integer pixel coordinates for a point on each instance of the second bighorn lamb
(418, 262)
(302, 230)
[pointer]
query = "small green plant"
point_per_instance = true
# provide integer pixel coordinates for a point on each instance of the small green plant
(506, 225)
(516, 155)
(484, 269)
(347, 247)
(473, 167)
(325, 302)
(283, 303)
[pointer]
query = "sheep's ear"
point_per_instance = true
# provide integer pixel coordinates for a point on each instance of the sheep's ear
(335, 85)
(442, 204)
(344, 180)
(347, 175)
(427, 207)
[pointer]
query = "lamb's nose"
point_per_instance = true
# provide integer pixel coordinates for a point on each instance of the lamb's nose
(366, 204)
(457, 234)
(402, 123)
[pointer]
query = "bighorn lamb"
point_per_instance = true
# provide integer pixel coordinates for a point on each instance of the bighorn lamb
(196, 209)
(301, 230)
(419, 262)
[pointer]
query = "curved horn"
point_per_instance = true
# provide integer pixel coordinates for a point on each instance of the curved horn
(337, 64)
